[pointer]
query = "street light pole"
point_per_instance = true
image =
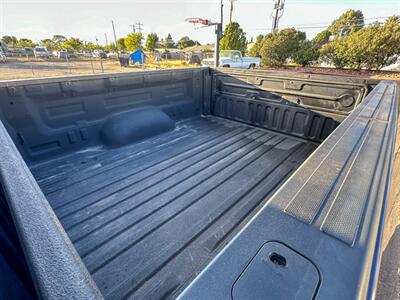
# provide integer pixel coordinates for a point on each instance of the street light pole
(218, 34)
(218, 31)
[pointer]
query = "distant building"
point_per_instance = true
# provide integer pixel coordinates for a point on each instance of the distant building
(199, 52)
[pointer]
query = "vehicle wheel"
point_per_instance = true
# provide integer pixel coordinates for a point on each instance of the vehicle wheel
(252, 66)
(226, 66)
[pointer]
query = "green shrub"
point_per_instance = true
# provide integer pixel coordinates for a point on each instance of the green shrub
(151, 41)
(133, 41)
(306, 54)
(372, 47)
(234, 38)
(351, 21)
(255, 51)
(278, 47)
(382, 43)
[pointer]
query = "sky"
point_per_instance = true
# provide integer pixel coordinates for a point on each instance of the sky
(91, 19)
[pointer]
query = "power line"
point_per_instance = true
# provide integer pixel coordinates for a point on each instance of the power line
(324, 23)
(319, 27)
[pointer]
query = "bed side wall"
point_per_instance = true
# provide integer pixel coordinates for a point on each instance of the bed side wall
(304, 105)
(49, 117)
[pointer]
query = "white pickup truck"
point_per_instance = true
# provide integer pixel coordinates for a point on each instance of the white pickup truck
(233, 59)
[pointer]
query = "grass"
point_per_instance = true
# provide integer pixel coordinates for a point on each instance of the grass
(24, 68)
(167, 64)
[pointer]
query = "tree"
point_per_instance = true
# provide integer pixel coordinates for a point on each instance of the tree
(110, 48)
(372, 47)
(332, 54)
(133, 41)
(352, 20)
(185, 42)
(73, 44)
(58, 41)
(89, 46)
(278, 47)
(169, 42)
(25, 43)
(382, 43)
(11, 41)
(160, 43)
(49, 44)
(306, 54)
(151, 42)
(234, 38)
(322, 38)
(121, 44)
(256, 48)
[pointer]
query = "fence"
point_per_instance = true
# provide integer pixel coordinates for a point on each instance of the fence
(18, 66)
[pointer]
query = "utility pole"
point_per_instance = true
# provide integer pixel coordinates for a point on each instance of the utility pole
(133, 28)
(139, 27)
(231, 10)
(222, 14)
(105, 35)
(115, 39)
(279, 5)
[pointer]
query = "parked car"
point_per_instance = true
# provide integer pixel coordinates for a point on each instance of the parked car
(234, 59)
(62, 54)
(41, 52)
(3, 46)
(84, 53)
(99, 54)
(112, 54)
(3, 58)
(87, 53)
(29, 52)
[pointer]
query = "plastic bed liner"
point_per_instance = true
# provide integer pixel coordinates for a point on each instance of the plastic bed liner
(146, 217)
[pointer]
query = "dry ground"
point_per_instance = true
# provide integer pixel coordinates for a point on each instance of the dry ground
(24, 68)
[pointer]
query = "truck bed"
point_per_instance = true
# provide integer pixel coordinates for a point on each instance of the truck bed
(194, 184)
(145, 218)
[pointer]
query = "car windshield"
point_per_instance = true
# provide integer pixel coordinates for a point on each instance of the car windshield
(40, 50)
(230, 54)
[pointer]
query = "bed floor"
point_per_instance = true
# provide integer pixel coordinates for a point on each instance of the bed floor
(147, 217)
